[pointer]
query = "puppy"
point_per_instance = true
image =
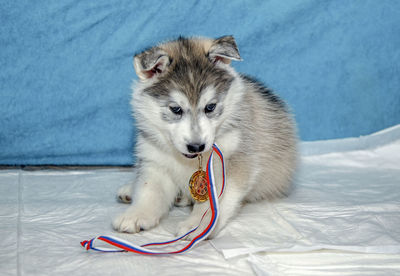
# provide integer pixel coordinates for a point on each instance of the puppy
(187, 98)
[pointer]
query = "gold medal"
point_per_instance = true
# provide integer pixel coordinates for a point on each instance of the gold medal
(198, 183)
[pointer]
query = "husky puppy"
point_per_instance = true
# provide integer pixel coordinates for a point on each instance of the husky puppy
(187, 98)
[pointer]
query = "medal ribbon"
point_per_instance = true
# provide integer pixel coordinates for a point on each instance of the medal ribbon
(119, 245)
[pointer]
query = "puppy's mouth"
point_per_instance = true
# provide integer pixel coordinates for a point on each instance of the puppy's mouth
(191, 156)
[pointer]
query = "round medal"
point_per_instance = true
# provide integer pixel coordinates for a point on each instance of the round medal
(198, 186)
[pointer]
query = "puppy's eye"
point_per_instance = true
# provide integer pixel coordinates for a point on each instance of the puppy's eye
(210, 108)
(177, 110)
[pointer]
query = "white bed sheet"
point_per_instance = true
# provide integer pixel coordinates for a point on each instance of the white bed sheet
(343, 218)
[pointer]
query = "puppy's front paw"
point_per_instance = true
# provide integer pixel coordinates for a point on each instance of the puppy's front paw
(124, 193)
(191, 223)
(182, 200)
(184, 227)
(133, 222)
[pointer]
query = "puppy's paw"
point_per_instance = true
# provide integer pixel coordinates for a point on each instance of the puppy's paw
(184, 227)
(124, 193)
(133, 222)
(191, 223)
(182, 200)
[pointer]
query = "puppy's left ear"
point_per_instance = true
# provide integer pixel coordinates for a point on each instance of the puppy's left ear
(224, 49)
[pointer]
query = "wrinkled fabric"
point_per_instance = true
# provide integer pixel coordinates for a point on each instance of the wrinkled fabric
(66, 68)
(342, 217)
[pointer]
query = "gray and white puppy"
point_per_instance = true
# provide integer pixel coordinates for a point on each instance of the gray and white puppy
(187, 98)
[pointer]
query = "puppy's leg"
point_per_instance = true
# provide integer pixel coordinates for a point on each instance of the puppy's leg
(152, 200)
(229, 204)
(193, 220)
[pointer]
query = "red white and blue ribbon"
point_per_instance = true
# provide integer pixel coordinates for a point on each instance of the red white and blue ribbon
(114, 244)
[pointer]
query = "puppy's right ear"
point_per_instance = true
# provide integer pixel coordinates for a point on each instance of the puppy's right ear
(151, 63)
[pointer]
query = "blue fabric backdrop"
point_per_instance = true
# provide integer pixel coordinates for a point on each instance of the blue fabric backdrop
(66, 68)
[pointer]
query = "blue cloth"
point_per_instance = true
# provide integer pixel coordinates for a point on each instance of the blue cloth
(66, 68)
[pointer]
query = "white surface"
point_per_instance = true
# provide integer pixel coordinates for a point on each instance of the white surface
(343, 218)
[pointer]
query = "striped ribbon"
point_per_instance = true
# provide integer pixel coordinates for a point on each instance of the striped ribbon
(119, 245)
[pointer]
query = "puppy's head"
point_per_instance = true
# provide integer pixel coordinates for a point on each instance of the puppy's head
(185, 83)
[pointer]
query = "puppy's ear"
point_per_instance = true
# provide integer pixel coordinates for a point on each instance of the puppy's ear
(224, 49)
(151, 63)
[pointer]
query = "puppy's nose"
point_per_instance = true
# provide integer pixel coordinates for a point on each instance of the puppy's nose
(194, 148)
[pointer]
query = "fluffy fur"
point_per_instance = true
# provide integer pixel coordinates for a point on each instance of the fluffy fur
(179, 83)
